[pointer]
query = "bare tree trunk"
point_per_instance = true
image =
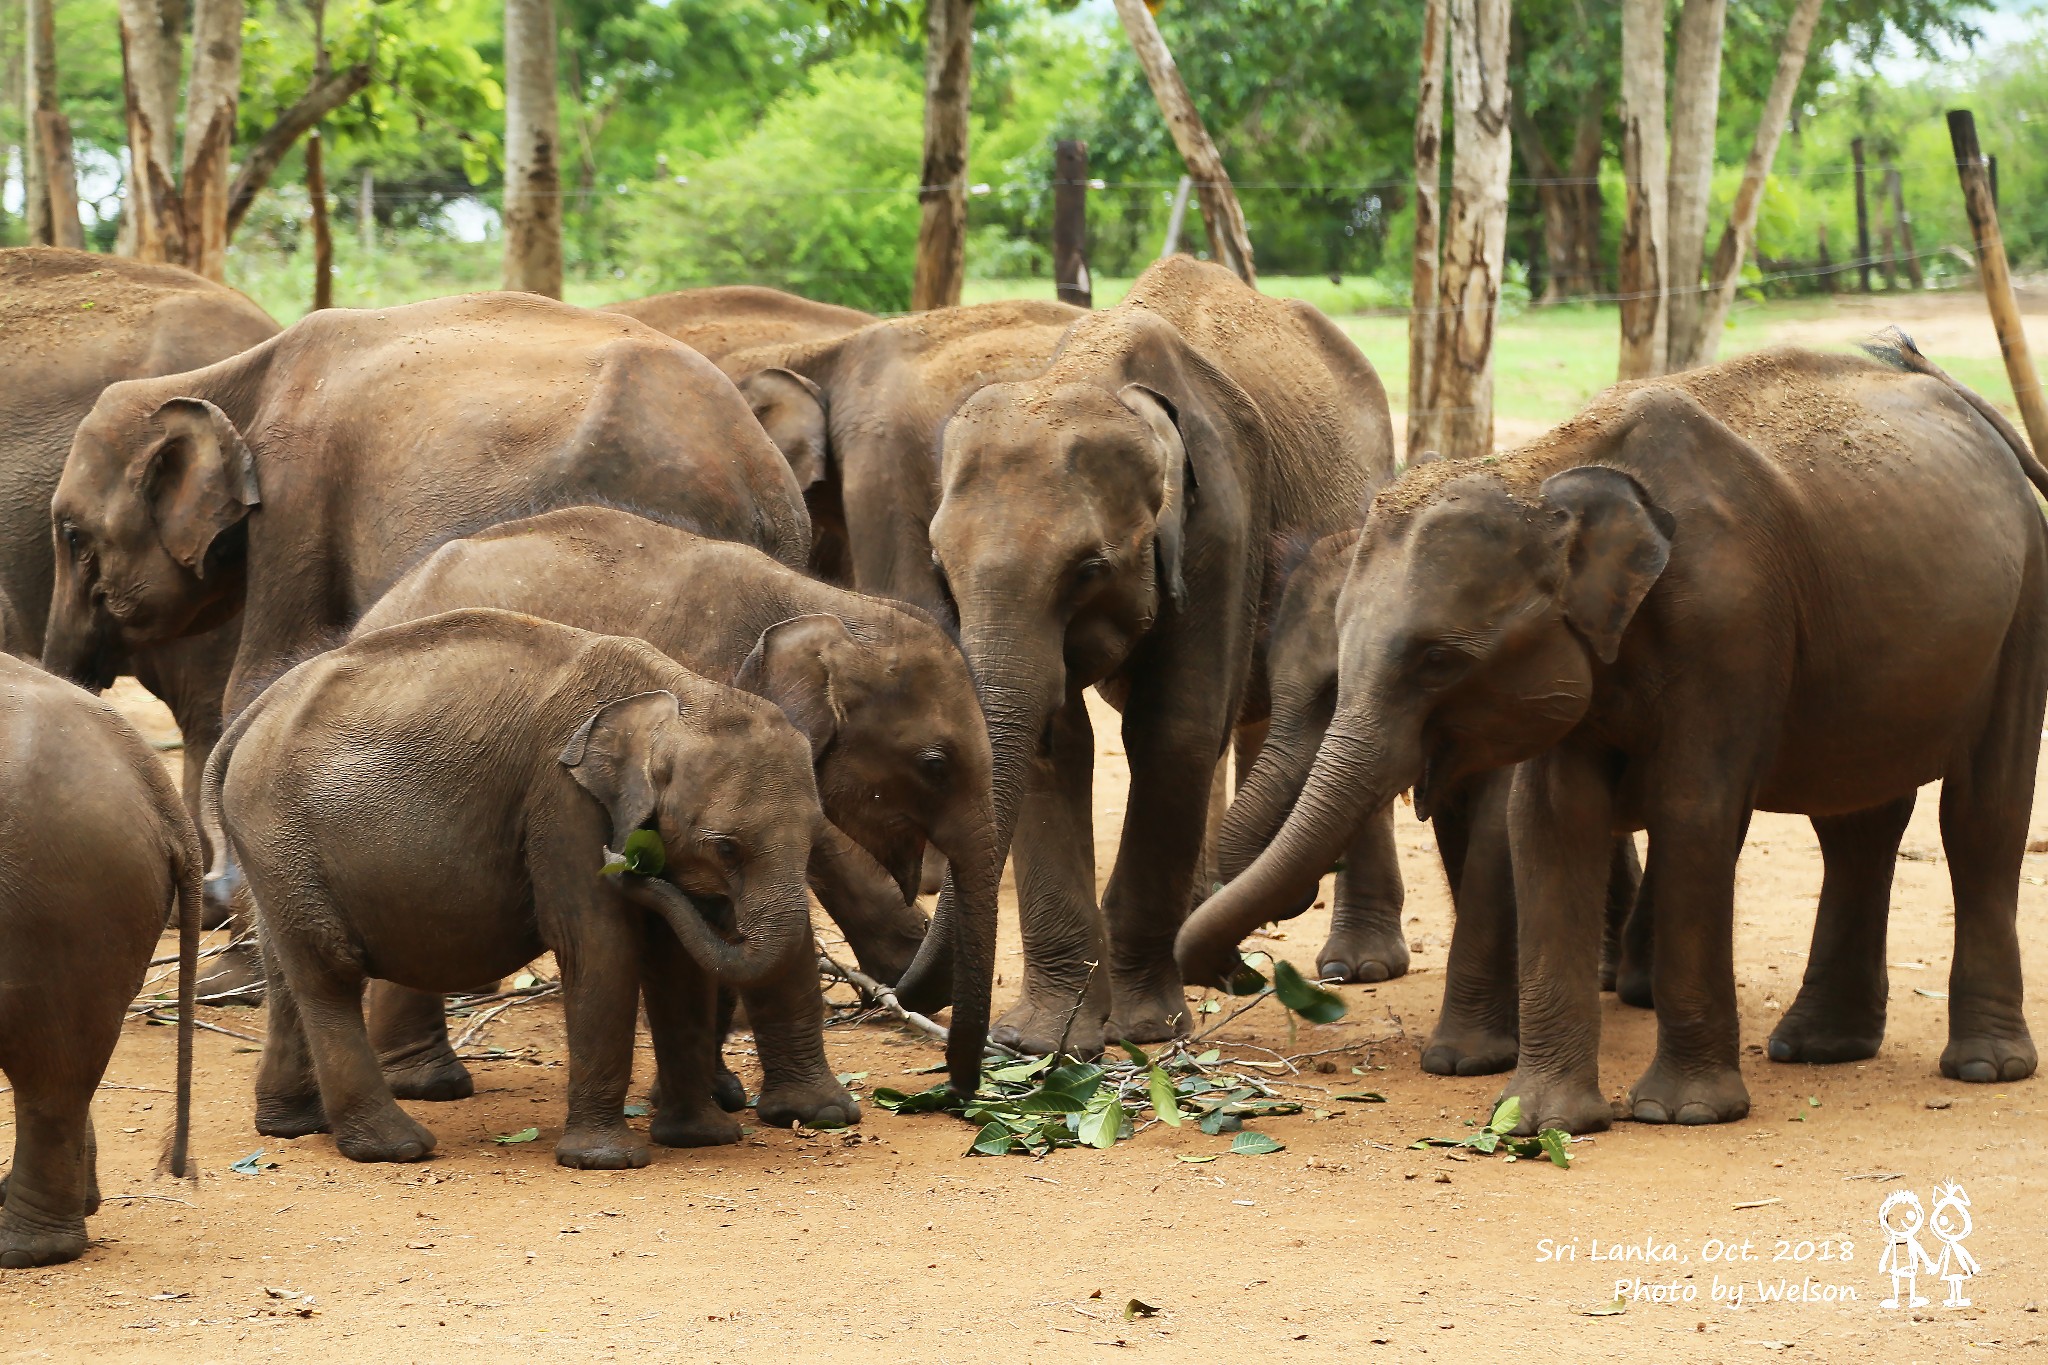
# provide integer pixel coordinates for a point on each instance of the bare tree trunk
(1425, 429)
(1475, 231)
(1645, 230)
(13, 95)
(210, 133)
(533, 175)
(942, 185)
(152, 45)
(1229, 244)
(54, 212)
(1695, 112)
(1903, 221)
(316, 174)
(35, 185)
(1741, 229)
(1175, 217)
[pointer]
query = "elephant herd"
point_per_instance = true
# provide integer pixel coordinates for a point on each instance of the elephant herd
(496, 626)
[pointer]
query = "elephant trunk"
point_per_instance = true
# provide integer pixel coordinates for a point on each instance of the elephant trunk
(81, 643)
(957, 961)
(1264, 797)
(1350, 780)
(773, 924)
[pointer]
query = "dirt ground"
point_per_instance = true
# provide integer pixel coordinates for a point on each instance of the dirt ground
(886, 1242)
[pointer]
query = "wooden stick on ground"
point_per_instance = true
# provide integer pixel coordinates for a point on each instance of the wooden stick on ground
(874, 989)
(1996, 273)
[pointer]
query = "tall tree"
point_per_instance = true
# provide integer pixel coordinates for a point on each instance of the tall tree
(942, 187)
(1476, 228)
(1229, 243)
(1695, 109)
(1704, 343)
(1425, 431)
(533, 174)
(210, 96)
(152, 55)
(316, 173)
(1645, 229)
(51, 183)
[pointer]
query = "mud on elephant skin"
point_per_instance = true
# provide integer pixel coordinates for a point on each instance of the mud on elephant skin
(98, 851)
(1732, 589)
(882, 695)
(537, 746)
(1109, 523)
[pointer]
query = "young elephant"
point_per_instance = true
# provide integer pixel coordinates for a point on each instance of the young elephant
(1791, 582)
(431, 804)
(896, 735)
(725, 318)
(98, 849)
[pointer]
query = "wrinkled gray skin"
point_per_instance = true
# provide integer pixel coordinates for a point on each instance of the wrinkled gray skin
(295, 482)
(534, 746)
(722, 319)
(75, 322)
(899, 746)
(1790, 582)
(1112, 523)
(98, 851)
(858, 417)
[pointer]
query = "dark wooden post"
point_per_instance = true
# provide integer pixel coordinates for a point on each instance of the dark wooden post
(1070, 223)
(1996, 273)
(1827, 262)
(1902, 222)
(1862, 218)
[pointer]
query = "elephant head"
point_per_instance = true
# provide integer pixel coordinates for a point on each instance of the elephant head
(728, 788)
(148, 523)
(901, 755)
(1472, 627)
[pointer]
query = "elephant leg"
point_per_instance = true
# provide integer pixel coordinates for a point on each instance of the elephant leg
(1839, 1013)
(1209, 875)
(883, 930)
(726, 1087)
(1631, 928)
(684, 1018)
(1986, 801)
(1560, 814)
(599, 947)
(287, 1091)
(49, 1189)
(797, 1083)
(1476, 1027)
(409, 1029)
(1053, 857)
(1366, 940)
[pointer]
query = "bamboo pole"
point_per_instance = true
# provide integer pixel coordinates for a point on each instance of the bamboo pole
(1996, 273)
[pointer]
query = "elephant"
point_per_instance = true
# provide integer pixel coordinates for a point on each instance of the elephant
(76, 322)
(99, 851)
(534, 747)
(1113, 523)
(720, 320)
(1794, 582)
(899, 746)
(859, 416)
(295, 482)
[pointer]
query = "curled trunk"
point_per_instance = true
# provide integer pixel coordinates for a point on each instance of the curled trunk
(773, 925)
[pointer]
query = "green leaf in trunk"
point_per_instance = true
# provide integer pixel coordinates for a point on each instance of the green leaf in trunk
(1246, 980)
(1305, 997)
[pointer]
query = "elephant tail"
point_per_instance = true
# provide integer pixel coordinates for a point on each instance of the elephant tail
(190, 905)
(1894, 347)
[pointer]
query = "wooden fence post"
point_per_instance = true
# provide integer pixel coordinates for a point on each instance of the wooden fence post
(1862, 217)
(1070, 223)
(1902, 223)
(1996, 273)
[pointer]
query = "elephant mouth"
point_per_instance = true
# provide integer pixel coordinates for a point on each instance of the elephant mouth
(1436, 765)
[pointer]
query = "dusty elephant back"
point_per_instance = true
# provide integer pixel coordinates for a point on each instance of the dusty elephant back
(723, 319)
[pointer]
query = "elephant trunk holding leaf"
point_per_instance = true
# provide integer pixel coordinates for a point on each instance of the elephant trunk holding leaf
(537, 747)
(882, 695)
(1111, 523)
(1791, 582)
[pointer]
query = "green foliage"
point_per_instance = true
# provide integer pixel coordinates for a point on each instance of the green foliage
(643, 856)
(1497, 1135)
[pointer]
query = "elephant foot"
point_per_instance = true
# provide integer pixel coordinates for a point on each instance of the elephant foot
(1469, 1050)
(814, 1104)
(235, 978)
(1034, 1026)
(1363, 955)
(727, 1090)
(1827, 1031)
(24, 1244)
(1151, 1007)
(1552, 1102)
(290, 1116)
(392, 1135)
(698, 1127)
(1667, 1094)
(1632, 986)
(601, 1149)
(1988, 1058)
(438, 1076)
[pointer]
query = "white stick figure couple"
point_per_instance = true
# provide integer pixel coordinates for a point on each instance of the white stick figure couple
(1902, 1218)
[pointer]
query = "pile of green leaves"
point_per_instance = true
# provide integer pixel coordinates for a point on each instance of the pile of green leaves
(1495, 1136)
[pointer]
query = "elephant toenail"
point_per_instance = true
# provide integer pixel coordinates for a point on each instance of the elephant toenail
(1649, 1111)
(1335, 971)
(1370, 971)
(1697, 1113)
(1980, 1072)
(1781, 1051)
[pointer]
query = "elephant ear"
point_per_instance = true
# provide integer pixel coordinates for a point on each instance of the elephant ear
(1177, 484)
(198, 480)
(791, 409)
(611, 757)
(1617, 542)
(800, 665)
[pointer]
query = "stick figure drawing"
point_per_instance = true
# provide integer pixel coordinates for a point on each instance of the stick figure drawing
(1951, 1223)
(1901, 1218)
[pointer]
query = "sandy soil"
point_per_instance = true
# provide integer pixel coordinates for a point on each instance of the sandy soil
(885, 1242)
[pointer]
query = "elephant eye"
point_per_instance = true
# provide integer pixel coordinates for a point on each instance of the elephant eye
(1438, 665)
(934, 763)
(74, 541)
(723, 847)
(1090, 571)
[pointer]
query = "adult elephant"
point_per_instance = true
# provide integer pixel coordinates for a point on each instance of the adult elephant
(71, 323)
(1113, 523)
(1790, 582)
(859, 415)
(296, 481)
(732, 317)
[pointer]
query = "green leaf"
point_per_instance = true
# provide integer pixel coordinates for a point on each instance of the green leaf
(1136, 1054)
(1163, 1102)
(1138, 1308)
(1507, 1115)
(1018, 1071)
(850, 1079)
(1608, 1310)
(935, 1100)
(1555, 1143)
(1194, 1159)
(1362, 1097)
(1065, 1090)
(1209, 1058)
(1304, 997)
(1216, 1121)
(251, 1164)
(636, 1111)
(993, 1140)
(1485, 1140)
(1245, 980)
(523, 1135)
(1101, 1124)
(645, 857)
(1249, 1143)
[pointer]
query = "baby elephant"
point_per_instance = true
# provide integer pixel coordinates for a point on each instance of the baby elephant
(431, 804)
(97, 849)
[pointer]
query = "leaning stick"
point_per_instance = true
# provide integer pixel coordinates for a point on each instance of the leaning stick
(1996, 274)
